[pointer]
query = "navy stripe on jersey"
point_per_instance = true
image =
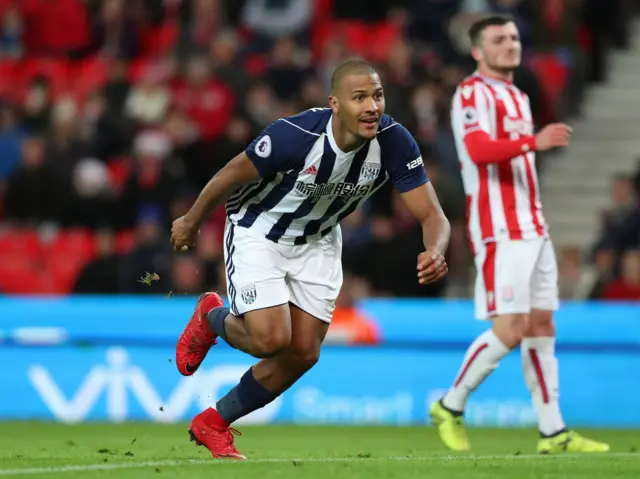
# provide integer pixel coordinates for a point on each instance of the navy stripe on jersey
(380, 180)
(327, 164)
(272, 198)
(353, 176)
(233, 207)
(238, 193)
(230, 267)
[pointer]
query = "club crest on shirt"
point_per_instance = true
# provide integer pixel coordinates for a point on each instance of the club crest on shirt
(370, 170)
(249, 294)
(467, 91)
(507, 294)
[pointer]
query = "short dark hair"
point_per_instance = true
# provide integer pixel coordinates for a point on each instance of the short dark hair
(351, 67)
(475, 32)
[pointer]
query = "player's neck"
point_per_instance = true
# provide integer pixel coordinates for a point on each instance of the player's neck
(505, 76)
(345, 140)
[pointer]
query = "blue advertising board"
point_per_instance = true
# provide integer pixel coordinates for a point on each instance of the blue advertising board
(112, 359)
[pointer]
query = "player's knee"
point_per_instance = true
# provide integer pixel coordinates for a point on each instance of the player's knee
(541, 324)
(270, 344)
(511, 329)
(304, 360)
(269, 330)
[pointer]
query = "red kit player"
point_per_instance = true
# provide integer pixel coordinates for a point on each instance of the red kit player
(516, 286)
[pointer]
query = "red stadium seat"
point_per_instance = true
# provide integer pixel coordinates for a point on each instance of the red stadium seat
(7, 80)
(125, 241)
(63, 269)
(16, 262)
(160, 40)
(76, 243)
(381, 38)
(89, 75)
(256, 65)
(119, 171)
(552, 74)
(18, 282)
(20, 242)
(56, 71)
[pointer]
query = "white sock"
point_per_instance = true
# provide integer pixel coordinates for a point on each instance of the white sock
(480, 360)
(541, 375)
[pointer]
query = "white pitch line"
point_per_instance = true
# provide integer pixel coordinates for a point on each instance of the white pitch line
(212, 462)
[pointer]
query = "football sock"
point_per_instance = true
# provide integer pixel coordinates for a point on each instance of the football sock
(215, 320)
(541, 375)
(243, 399)
(481, 359)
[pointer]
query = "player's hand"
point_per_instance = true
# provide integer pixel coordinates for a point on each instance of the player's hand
(183, 234)
(432, 267)
(553, 136)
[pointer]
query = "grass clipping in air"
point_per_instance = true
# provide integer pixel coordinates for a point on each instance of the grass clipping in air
(148, 278)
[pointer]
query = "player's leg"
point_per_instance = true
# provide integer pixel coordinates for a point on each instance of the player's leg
(314, 278)
(260, 385)
(540, 364)
(501, 296)
(257, 321)
(270, 377)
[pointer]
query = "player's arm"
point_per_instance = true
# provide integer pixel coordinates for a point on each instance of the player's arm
(268, 154)
(238, 172)
(425, 207)
(408, 175)
(472, 111)
(264, 157)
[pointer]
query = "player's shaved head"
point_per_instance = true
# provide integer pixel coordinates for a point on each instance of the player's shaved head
(350, 67)
(357, 101)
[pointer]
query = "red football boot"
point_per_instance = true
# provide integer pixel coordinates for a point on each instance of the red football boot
(208, 429)
(197, 338)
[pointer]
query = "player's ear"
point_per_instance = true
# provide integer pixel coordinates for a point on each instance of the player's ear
(333, 103)
(476, 53)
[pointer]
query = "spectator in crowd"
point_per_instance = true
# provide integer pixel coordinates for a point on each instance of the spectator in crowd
(201, 21)
(100, 276)
(12, 134)
(148, 101)
(33, 194)
(621, 222)
(151, 254)
(627, 286)
(11, 29)
(186, 275)
(268, 20)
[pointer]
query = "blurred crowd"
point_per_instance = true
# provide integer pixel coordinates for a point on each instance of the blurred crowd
(611, 270)
(114, 114)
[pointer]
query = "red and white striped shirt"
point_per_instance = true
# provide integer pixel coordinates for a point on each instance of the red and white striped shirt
(493, 130)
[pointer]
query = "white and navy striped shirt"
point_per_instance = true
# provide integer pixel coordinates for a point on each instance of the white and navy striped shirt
(309, 185)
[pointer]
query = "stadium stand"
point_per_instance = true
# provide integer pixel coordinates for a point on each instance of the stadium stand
(114, 114)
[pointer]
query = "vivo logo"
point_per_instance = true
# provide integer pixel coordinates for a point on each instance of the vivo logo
(117, 380)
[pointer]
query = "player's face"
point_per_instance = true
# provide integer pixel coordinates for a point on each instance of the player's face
(360, 105)
(500, 48)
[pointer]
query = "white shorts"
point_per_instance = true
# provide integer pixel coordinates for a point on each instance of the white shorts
(514, 277)
(262, 274)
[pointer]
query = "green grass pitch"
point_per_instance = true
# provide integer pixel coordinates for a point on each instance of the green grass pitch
(144, 450)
